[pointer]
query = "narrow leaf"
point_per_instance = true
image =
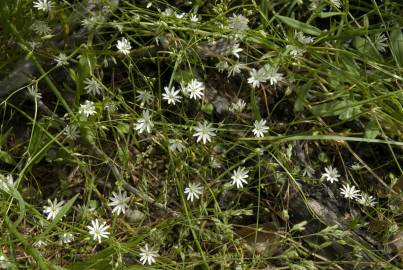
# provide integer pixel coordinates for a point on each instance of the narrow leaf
(304, 27)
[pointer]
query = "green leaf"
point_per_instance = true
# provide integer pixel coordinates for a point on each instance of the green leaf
(344, 109)
(324, 15)
(264, 11)
(183, 76)
(4, 136)
(350, 112)
(123, 129)
(254, 105)
(7, 158)
(365, 48)
(304, 27)
(396, 45)
(372, 130)
(301, 95)
(208, 108)
(329, 108)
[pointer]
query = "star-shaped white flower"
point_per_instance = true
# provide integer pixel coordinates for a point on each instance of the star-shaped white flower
(53, 209)
(257, 77)
(171, 95)
(176, 145)
(87, 109)
(260, 128)
(239, 177)
(4, 262)
(272, 75)
(7, 183)
(238, 22)
(366, 200)
(194, 18)
(92, 86)
(304, 39)
(195, 89)
(349, 192)
(62, 60)
(204, 132)
(235, 50)
(98, 231)
(193, 191)
(144, 97)
(119, 202)
(44, 5)
(148, 255)
(124, 46)
(144, 122)
(331, 174)
(66, 238)
(237, 107)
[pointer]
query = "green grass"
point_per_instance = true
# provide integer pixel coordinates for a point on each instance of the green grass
(330, 95)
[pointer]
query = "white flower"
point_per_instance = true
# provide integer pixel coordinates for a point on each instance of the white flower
(349, 192)
(148, 255)
(238, 22)
(93, 22)
(7, 183)
(239, 177)
(92, 86)
(194, 18)
(215, 163)
(366, 200)
(331, 175)
(167, 12)
(62, 60)
(119, 202)
(97, 230)
(53, 209)
(336, 3)
(257, 77)
(193, 191)
(176, 145)
(111, 106)
(87, 109)
(221, 66)
(195, 89)
(4, 262)
(237, 107)
(294, 51)
(71, 132)
(380, 42)
(33, 91)
(234, 69)
(259, 128)
(41, 28)
(180, 15)
(235, 50)
(356, 166)
(43, 5)
(66, 238)
(204, 132)
(144, 122)
(272, 75)
(171, 95)
(308, 171)
(40, 243)
(304, 39)
(124, 46)
(144, 97)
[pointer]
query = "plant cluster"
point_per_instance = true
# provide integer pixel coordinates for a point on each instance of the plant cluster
(201, 134)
